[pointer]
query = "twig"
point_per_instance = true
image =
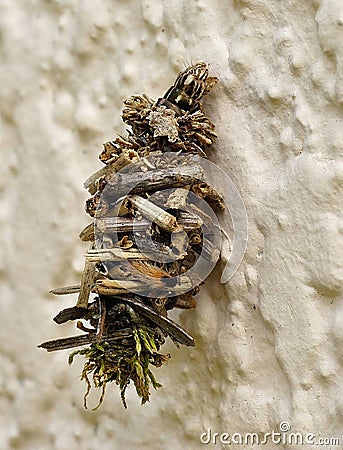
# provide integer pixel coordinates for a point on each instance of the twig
(66, 290)
(154, 180)
(85, 339)
(87, 280)
(126, 158)
(124, 224)
(102, 318)
(156, 214)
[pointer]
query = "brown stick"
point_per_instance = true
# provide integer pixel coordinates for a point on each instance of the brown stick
(118, 287)
(124, 224)
(206, 192)
(102, 319)
(87, 280)
(85, 339)
(126, 158)
(154, 180)
(112, 287)
(66, 290)
(117, 254)
(156, 214)
(71, 313)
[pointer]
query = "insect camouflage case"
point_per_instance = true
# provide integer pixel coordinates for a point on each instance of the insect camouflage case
(146, 201)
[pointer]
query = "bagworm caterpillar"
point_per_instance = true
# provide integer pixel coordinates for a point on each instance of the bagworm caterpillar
(150, 231)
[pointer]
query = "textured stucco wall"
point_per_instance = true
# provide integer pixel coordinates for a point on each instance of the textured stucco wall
(269, 343)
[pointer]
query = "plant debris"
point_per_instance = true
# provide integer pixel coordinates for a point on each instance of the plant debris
(148, 234)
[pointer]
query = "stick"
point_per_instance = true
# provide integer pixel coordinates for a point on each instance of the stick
(84, 339)
(112, 287)
(207, 192)
(71, 313)
(66, 290)
(102, 319)
(87, 280)
(117, 254)
(156, 214)
(124, 224)
(116, 287)
(153, 180)
(126, 158)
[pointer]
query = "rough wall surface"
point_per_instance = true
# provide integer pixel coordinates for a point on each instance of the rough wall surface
(269, 342)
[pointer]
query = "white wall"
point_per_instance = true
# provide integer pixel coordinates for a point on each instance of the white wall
(269, 343)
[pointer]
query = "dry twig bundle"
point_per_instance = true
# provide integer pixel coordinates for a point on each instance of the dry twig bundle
(143, 205)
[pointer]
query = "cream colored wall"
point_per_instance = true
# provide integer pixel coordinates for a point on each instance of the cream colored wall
(269, 343)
